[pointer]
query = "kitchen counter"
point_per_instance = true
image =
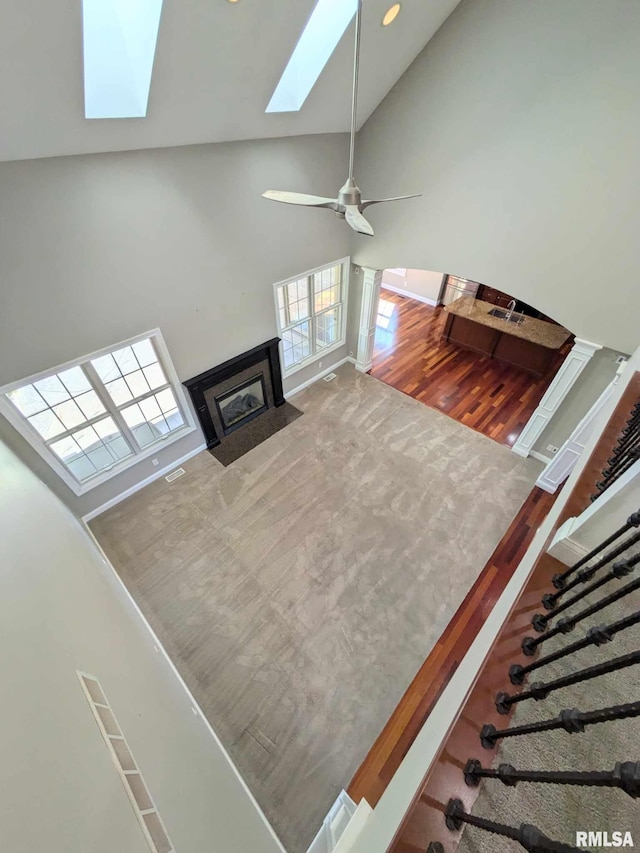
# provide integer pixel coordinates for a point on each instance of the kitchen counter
(535, 331)
(530, 345)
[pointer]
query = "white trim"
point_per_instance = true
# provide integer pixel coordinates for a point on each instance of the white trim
(409, 294)
(568, 551)
(161, 649)
(540, 457)
(345, 263)
(131, 491)
(334, 825)
(581, 354)
(35, 440)
(562, 464)
(367, 324)
(354, 828)
(322, 373)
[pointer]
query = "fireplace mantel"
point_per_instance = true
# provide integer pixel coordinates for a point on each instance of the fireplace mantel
(267, 353)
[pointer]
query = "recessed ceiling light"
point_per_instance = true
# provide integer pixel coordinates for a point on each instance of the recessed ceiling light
(233, 1)
(391, 15)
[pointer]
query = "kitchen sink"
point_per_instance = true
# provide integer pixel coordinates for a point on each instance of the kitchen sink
(505, 315)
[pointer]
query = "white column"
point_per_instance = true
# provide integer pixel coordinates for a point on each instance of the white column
(371, 280)
(573, 365)
(562, 463)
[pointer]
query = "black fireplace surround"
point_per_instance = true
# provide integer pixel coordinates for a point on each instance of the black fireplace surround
(237, 391)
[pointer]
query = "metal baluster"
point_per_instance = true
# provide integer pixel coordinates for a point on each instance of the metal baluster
(571, 720)
(559, 580)
(595, 636)
(625, 776)
(551, 598)
(528, 836)
(540, 690)
(564, 626)
(619, 570)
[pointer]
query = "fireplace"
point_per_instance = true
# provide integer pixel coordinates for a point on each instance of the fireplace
(242, 403)
(231, 395)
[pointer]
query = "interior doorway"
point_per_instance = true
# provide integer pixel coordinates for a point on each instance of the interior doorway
(468, 350)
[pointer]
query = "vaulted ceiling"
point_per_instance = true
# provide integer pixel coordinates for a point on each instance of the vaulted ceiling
(216, 67)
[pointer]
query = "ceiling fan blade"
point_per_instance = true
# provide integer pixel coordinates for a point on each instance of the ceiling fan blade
(357, 221)
(381, 200)
(300, 198)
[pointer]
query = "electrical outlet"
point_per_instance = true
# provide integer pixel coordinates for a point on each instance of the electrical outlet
(552, 448)
(319, 365)
(154, 462)
(351, 355)
(357, 270)
(621, 359)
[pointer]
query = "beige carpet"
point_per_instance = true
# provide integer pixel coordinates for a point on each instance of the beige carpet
(561, 811)
(299, 589)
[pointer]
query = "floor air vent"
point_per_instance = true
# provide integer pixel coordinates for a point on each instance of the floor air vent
(130, 775)
(174, 475)
(330, 376)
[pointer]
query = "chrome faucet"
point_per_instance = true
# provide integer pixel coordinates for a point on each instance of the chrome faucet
(511, 307)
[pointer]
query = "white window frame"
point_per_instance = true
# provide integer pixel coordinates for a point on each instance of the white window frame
(30, 434)
(345, 263)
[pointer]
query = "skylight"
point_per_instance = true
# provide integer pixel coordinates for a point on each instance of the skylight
(319, 39)
(119, 46)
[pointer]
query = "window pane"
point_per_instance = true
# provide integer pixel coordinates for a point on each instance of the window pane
(126, 360)
(137, 383)
(327, 288)
(47, 424)
(166, 400)
(90, 404)
(296, 344)
(133, 415)
(154, 417)
(106, 367)
(119, 392)
(27, 400)
(145, 353)
(75, 381)
(328, 327)
(92, 449)
(69, 414)
(155, 375)
(52, 390)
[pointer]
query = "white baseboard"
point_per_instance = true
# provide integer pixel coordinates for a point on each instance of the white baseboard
(354, 828)
(155, 476)
(540, 457)
(409, 294)
(320, 375)
(568, 551)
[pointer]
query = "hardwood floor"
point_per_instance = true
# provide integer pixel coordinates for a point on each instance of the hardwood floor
(482, 393)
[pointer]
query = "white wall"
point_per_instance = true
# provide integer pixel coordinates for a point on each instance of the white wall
(99, 248)
(62, 609)
(424, 285)
(519, 124)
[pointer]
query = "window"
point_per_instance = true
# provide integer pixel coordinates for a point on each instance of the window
(94, 417)
(311, 312)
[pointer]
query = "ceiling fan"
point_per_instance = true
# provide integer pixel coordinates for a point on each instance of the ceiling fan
(349, 204)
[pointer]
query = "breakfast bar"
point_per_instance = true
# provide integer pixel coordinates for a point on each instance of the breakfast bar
(524, 342)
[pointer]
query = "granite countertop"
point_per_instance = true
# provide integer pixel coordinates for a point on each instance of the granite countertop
(536, 331)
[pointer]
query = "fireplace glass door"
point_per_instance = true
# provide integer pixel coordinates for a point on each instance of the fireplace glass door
(241, 403)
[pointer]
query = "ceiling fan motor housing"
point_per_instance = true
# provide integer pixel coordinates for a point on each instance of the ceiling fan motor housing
(350, 194)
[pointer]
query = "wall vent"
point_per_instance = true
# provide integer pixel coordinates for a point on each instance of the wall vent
(329, 377)
(130, 775)
(174, 475)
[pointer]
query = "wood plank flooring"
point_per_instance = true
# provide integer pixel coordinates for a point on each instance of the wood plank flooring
(482, 393)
